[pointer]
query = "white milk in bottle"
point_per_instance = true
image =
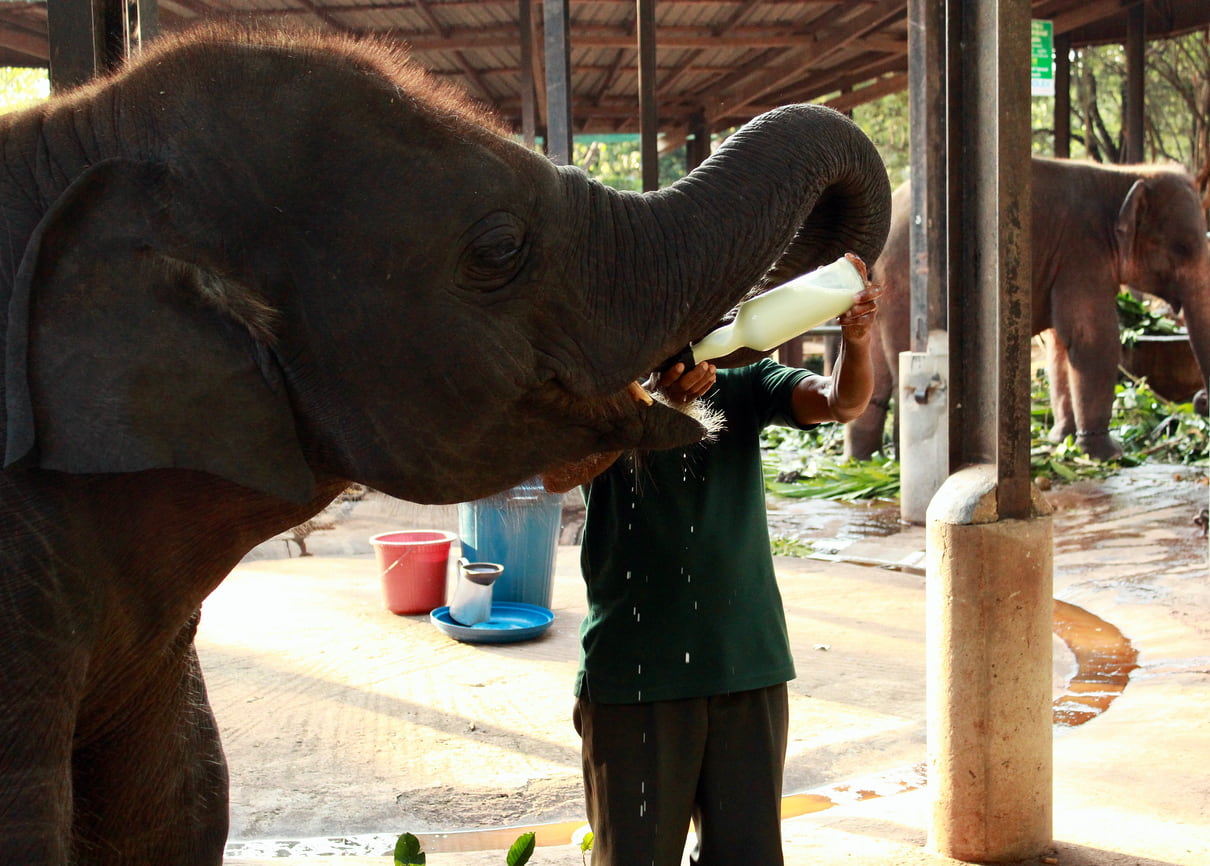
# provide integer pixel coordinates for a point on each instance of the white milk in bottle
(805, 302)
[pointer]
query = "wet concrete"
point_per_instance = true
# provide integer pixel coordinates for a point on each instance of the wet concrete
(1105, 658)
(1132, 696)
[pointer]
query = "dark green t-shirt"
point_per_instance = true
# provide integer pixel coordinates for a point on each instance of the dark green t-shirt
(682, 597)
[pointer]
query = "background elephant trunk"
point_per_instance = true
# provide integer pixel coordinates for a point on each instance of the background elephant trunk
(793, 190)
(1197, 322)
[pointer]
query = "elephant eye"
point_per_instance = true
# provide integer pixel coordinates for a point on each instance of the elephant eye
(493, 252)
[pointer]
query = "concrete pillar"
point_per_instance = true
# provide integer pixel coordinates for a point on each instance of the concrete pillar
(990, 610)
(924, 442)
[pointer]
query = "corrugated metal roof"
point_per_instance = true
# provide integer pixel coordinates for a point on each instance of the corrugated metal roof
(724, 59)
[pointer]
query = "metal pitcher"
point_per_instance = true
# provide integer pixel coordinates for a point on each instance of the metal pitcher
(473, 591)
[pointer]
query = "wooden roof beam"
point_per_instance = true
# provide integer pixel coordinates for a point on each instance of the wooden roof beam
(1069, 18)
(722, 31)
(34, 46)
(505, 36)
(791, 64)
(860, 96)
(324, 15)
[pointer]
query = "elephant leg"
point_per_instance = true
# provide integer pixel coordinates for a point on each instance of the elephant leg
(1060, 388)
(1093, 352)
(863, 435)
(45, 621)
(36, 723)
(152, 788)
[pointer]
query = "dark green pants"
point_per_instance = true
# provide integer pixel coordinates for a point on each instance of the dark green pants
(649, 769)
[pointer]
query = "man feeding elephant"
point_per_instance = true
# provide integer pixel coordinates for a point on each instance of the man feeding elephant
(251, 268)
(682, 702)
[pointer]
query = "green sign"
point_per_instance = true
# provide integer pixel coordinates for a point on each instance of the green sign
(1042, 58)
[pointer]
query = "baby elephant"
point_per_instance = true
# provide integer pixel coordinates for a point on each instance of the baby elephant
(1095, 228)
(251, 268)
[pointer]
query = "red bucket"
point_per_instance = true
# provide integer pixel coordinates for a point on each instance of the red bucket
(413, 564)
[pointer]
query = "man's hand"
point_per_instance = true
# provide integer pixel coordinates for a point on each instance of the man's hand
(856, 323)
(680, 386)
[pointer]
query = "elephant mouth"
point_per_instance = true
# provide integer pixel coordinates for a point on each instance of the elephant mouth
(630, 419)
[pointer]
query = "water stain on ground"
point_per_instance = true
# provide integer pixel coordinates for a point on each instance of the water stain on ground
(1105, 659)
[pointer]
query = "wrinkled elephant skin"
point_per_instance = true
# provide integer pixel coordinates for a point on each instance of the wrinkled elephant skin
(1095, 228)
(251, 268)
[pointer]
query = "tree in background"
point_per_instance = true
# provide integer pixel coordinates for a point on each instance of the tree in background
(1176, 111)
(616, 161)
(19, 87)
(885, 121)
(1178, 115)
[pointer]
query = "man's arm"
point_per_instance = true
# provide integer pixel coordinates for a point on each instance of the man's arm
(844, 395)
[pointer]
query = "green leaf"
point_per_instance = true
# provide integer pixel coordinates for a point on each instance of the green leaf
(586, 843)
(522, 850)
(407, 851)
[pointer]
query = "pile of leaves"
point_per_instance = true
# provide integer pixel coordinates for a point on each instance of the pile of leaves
(1150, 429)
(1137, 319)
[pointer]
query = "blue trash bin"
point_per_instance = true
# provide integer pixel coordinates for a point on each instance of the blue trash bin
(519, 529)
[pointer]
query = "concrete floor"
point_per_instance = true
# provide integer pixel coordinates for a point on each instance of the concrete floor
(342, 721)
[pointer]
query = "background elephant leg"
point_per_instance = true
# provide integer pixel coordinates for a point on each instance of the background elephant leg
(1093, 355)
(154, 786)
(863, 435)
(1057, 370)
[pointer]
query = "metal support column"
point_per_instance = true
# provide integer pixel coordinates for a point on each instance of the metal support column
(529, 108)
(697, 145)
(921, 403)
(990, 553)
(93, 37)
(649, 110)
(557, 19)
(1062, 118)
(1136, 38)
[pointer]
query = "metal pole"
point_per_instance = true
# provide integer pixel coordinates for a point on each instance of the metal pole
(76, 37)
(556, 16)
(922, 398)
(529, 110)
(697, 147)
(1136, 36)
(649, 117)
(988, 226)
(926, 98)
(1062, 118)
(92, 37)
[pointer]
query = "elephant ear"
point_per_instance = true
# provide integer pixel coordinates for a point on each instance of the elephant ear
(119, 358)
(1132, 209)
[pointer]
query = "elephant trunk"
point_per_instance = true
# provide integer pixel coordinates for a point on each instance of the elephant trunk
(793, 190)
(1197, 322)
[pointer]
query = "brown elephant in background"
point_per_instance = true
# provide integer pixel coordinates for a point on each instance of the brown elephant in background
(1095, 228)
(250, 268)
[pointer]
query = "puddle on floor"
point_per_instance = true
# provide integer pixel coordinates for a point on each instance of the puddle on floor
(830, 526)
(1105, 658)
